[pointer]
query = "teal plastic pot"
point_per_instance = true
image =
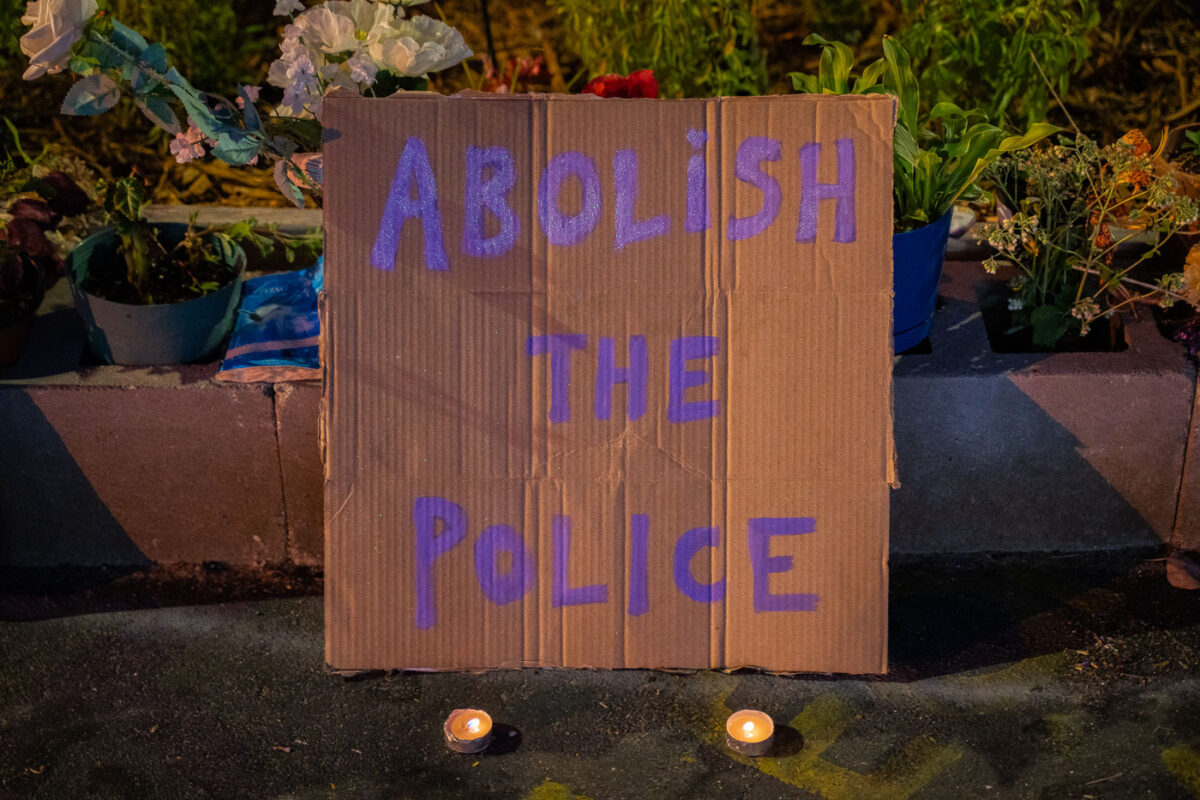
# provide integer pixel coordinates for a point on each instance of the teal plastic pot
(917, 258)
(141, 335)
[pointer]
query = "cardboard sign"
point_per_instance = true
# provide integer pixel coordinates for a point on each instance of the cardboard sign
(608, 382)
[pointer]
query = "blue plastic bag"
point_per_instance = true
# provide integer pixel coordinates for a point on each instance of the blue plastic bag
(276, 336)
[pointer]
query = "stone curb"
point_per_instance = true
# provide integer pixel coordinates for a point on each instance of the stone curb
(996, 453)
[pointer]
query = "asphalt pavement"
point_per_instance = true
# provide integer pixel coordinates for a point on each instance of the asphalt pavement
(1014, 677)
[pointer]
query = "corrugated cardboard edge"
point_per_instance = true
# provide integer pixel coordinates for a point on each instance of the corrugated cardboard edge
(893, 475)
(323, 351)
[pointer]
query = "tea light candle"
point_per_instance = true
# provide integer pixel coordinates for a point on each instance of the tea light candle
(749, 732)
(468, 730)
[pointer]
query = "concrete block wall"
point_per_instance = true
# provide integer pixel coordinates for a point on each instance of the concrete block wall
(1187, 517)
(1038, 452)
(1017, 453)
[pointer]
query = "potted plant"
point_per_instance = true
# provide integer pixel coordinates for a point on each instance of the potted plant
(937, 157)
(33, 240)
(1076, 205)
(162, 293)
(153, 294)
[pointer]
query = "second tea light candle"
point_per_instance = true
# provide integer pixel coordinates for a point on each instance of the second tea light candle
(468, 730)
(749, 732)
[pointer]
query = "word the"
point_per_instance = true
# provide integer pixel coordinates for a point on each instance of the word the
(687, 348)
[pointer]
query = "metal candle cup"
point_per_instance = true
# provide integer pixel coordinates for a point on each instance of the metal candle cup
(468, 730)
(749, 732)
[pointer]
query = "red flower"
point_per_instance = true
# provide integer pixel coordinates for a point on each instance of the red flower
(639, 84)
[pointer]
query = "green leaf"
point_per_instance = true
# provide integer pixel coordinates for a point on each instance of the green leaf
(1049, 325)
(306, 132)
(155, 57)
(945, 110)
(128, 39)
(159, 111)
(901, 82)
(805, 84)
(836, 62)
(124, 199)
(904, 147)
(143, 73)
(286, 186)
(197, 110)
(240, 229)
(870, 77)
(237, 147)
(1035, 134)
(229, 251)
(94, 94)
(84, 65)
(249, 112)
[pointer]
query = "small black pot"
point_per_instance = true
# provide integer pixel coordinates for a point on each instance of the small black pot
(142, 335)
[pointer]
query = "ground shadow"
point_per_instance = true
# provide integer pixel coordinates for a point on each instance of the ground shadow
(30, 594)
(972, 612)
(55, 347)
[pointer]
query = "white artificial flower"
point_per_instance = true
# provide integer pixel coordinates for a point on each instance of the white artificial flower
(285, 8)
(296, 74)
(336, 76)
(395, 54)
(298, 99)
(419, 46)
(57, 25)
(370, 19)
(362, 69)
(324, 30)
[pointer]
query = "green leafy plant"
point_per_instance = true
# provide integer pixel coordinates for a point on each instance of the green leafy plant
(217, 46)
(157, 270)
(696, 49)
(938, 155)
(1189, 155)
(43, 215)
(1075, 204)
(992, 55)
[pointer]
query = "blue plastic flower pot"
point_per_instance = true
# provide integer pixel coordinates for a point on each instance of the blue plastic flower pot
(136, 335)
(917, 258)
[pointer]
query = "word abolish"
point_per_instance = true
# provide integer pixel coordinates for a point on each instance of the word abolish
(441, 525)
(490, 175)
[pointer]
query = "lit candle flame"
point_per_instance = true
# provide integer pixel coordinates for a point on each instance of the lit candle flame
(749, 726)
(473, 725)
